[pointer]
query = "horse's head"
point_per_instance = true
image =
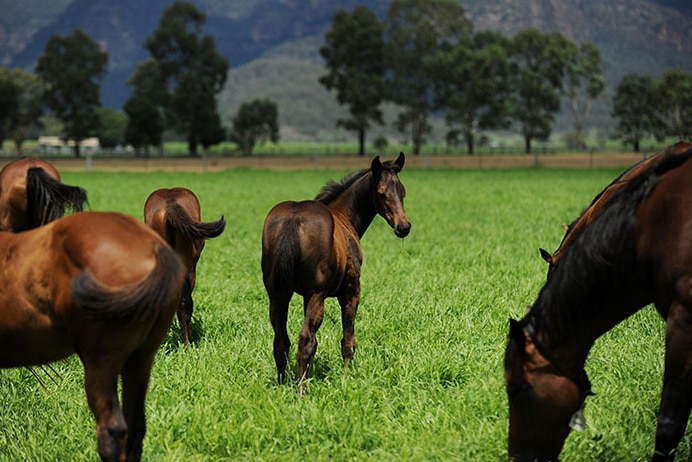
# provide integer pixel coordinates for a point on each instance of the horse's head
(389, 194)
(544, 401)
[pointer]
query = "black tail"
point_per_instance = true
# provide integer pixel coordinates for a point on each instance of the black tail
(48, 199)
(285, 254)
(178, 220)
(135, 301)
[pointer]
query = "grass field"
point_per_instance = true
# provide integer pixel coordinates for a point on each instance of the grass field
(427, 380)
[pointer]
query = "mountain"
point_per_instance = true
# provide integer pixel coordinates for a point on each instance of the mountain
(272, 45)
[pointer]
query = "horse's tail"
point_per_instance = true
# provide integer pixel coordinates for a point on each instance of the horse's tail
(134, 301)
(178, 221)
(285, 255)
(47, 198)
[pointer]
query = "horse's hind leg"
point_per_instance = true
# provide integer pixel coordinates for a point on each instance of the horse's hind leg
(185, 312)
(676, 398)
(135, 375)
(307, 341)
(349, 309)
(278, 315)
(101, 384)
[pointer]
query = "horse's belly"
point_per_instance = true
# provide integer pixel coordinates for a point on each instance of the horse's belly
(32, 343)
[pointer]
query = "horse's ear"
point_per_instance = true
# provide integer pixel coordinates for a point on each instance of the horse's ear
(400, 160)
(376, 167)
(516, 333)
(546, 255)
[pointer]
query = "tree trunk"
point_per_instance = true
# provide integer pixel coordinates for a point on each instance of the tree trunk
(361, 141)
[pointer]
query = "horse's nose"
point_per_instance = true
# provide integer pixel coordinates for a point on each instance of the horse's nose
(402, 230)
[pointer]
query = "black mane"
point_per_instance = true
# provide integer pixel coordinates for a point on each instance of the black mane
(334, 189)
(601, 264)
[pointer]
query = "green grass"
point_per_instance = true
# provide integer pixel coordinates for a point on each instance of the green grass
(427, 379)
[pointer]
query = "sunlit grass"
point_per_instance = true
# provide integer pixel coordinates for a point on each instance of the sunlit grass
(427, 379)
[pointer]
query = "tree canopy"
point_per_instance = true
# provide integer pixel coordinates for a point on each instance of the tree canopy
(414, 30)
(72, 68)
(255, 122)
(634, 106)
(192, 72)
(354, 55)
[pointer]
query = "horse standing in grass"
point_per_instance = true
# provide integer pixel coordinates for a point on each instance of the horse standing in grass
(313, 248)
(633, 248)
(175, 215)
(31, 195)
(104, 286)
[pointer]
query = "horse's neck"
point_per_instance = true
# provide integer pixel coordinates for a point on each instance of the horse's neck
(355, 206)
(570, 332)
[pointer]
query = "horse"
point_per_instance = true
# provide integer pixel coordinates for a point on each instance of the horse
(633, 251)
(587, 216)
(101, 285)
(313, 248)
(175, 215)
(31, 195)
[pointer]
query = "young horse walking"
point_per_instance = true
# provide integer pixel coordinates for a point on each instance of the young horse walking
(31, 195)
(313, 248)
(632, 251)
(175, 215)
(104, 286)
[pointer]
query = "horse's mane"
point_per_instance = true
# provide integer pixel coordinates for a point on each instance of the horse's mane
(333, 189)
(603, 256)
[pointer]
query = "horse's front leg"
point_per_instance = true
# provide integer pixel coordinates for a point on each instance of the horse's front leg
(101, 384)
(349, 300)
(676, 398)
(307, 341)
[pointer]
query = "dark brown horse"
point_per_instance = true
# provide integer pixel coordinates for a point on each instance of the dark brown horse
(602, 199)
(313, 248)
(31, 195)
(101, 285)
(175, 214)
(635, 249)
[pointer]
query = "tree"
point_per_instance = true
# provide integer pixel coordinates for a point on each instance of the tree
(255, 122)
(72, 68)
(472, 85)
(634, 105)
(192, 71)
(354, 55)
(9, 104)
(674, 93)
(144, 108)
(584, 83)
(112, 126)
(414, 30)
(539, 65)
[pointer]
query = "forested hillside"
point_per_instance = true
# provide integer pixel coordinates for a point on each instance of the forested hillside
(272, 45)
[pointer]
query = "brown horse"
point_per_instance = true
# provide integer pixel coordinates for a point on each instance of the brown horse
(101, 285)
(175, 215)
(31, 195)
(602, 199)
(634, 250)
(313, 248)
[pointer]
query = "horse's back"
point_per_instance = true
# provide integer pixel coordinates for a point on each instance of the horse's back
(297, 246)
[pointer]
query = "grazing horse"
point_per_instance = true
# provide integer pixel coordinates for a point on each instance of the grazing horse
(636, 249)
(104, 286)
(31, 195)
(313, 248)
(175, 215)
(592, 211)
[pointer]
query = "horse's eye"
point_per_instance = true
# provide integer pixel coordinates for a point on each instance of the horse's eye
(382, 196)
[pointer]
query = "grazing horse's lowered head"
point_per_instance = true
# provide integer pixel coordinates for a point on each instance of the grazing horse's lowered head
(313, 248)
(31, 195)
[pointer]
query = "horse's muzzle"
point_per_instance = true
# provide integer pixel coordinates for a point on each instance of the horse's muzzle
(402, 230)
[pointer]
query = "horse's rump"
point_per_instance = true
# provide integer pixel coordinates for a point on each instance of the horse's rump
(281, 251)
(48, 198)
(178, 220)
(132, 301)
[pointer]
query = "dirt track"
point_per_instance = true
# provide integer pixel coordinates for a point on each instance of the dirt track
(186, 164)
